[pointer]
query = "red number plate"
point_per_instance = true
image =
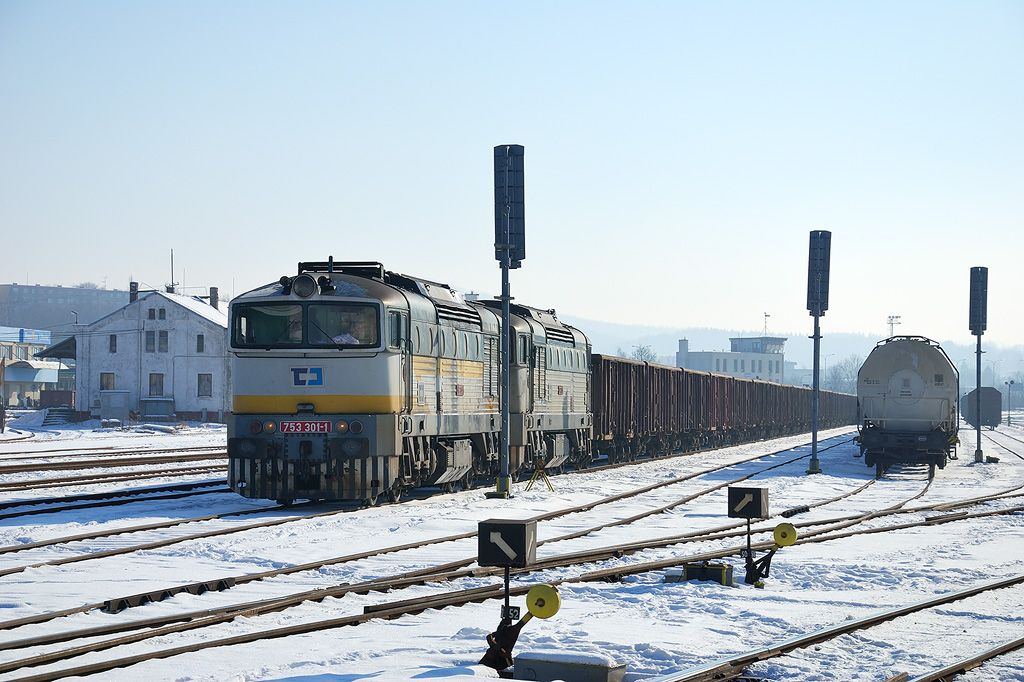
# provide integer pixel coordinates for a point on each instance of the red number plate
(305, 427)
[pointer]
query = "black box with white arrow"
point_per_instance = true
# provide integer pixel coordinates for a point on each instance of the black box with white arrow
(507, 542)
(748, 503)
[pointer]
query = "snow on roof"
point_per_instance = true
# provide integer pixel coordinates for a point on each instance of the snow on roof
(197, 306)
(34, 364)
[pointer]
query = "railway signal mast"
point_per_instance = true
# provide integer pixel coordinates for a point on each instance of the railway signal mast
(510, 252)
(978, 322)
(817, 304)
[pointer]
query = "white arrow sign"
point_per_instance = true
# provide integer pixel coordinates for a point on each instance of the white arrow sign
(502, 545)
(747, 499)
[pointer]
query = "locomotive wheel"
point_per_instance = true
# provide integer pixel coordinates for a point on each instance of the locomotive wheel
(931, 471)
(395, 494)
(285, 503)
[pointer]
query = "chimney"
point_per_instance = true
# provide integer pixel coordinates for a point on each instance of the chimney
(214, 296)
(133, 292)
(169, 288)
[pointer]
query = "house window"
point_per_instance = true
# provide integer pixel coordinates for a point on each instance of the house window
(205, 385)
(113, 343)
(106, 381)
(150, 342)
(21, 352)
(200, 343)
(717, 364)
(163, 313)
(152, 313)
(156, 385)
(163, 342)
(735, 365)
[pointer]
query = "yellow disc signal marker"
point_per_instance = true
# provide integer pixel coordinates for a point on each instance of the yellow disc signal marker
(543, 601)
(785, 534)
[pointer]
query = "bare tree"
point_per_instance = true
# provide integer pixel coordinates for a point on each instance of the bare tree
(644, 353)
(87, 285)
(842, 376)
(620, 353)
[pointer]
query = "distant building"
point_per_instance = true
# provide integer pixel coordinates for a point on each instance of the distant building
(55, 309)
(759, 357)
(25, 378)
(798, 376)
(161, 356)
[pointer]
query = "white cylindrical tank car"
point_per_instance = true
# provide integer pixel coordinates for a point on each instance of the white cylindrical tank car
(907, 392)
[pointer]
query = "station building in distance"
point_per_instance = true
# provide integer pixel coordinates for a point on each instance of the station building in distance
(755, 357)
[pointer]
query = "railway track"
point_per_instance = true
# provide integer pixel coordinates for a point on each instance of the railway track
(108, 463)
(64, 560)
(64, 453)
(739, 667)
(445, 569)
(89, 479)
(454, 598)
(52, 505)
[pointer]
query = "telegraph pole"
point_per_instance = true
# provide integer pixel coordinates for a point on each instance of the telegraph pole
(978, 322)
(510, 251)
(817, 303)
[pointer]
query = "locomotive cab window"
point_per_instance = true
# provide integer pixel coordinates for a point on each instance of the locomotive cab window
(267, 325)
(343, 324)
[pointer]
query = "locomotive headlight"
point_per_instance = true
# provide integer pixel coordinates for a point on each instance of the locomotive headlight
(304, 286)
(255, 426)
(356, 426)
(269, 427)
(342, 426)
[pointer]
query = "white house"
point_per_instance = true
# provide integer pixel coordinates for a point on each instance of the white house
(162, 356)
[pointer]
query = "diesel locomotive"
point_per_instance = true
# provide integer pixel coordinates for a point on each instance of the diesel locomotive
(351, 382)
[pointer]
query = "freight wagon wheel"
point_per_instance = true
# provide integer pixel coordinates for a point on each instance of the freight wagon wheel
(371, 500)
(879, 470)
(395, 494)
(931, 471)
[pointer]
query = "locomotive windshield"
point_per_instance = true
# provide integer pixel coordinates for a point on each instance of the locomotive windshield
(345, 324)
(265, 326)
(294, 325)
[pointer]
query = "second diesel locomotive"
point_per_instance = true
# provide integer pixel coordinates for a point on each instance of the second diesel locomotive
(907, 401)
(351, 382)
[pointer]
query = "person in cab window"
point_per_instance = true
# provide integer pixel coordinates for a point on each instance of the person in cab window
(358, 332)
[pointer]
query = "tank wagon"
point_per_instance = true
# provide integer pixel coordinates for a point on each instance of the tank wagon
(351, 382)
(991, 407)
(645, 408)
(907, 393)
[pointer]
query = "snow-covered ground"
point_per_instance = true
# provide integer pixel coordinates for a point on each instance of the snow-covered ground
(652, 626)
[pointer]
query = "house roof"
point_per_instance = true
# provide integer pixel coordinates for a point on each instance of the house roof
(67, 348)
(195, 305)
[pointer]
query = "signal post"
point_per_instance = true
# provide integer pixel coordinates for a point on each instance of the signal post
(978, 323)
(510, 252)
(817, 304)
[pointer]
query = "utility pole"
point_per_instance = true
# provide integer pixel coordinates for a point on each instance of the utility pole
(892, 322)
(510, 251)
(819, 257)
(766, 316)
(1009, 400)
(978, 321)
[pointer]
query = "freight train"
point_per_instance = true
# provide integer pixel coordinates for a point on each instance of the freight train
(351, 382)
(907, 400)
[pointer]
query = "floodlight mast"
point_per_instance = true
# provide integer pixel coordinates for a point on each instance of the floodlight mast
(510, 251)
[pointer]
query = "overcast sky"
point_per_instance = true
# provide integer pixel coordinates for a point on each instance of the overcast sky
(677, 154)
